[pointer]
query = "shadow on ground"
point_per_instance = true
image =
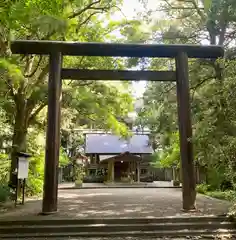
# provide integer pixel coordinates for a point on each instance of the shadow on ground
(101, 203)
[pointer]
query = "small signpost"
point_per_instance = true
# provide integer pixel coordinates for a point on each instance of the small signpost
(22, 174)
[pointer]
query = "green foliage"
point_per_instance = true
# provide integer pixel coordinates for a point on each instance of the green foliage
(23, 79)
(203, 188)
(79, 174)
(4, 193)
(63, 159)
(92, 108)
(36, 145)
(229, 195)
(169, 155)
(4, 174)
(212, 89)
(207, 4)
(34, 186)
(4, 168)
(34, 183)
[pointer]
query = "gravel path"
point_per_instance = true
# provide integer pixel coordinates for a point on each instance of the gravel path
(140, 202)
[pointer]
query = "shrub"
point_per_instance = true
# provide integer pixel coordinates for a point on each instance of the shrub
(4, 168)
(226, 185)
(203, 188)
(146, 179)
(227, 195)
(34, 186)
(93, 179)
(4, 193)
(34, 183)
(176, 183)
(79, 173)
(63, 158)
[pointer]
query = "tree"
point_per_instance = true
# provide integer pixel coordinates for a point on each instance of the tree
(24, 84)
(211, 22)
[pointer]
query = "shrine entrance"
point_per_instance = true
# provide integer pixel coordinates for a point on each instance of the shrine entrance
(121, 170)
(56, 50)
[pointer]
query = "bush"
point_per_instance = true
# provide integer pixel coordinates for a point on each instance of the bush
(215, 177)
(146, 179)
(4, 169)
(203, 188)
(4, 193)
(226, 185)
(79, 173)
(176, 183)
(227, 195)
(34, 186)
(93, 179)
(34, 183)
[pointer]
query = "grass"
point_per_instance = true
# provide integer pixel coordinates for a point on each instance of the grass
(226, 195)
(229, 195)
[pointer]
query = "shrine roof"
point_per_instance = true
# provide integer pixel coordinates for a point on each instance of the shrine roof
(106, 144)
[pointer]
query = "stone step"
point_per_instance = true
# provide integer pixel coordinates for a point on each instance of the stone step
(123, 234)
(187, 226)
(113, 227)
(43, 220)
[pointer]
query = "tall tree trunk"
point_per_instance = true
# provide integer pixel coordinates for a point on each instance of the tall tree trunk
(18, 140)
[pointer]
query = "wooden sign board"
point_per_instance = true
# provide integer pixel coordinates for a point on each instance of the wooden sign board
(23, 168)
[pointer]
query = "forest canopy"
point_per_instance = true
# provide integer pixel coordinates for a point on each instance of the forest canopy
(212, 87)
(24, 78)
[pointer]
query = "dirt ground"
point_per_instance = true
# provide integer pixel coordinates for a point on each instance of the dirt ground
(118, 203)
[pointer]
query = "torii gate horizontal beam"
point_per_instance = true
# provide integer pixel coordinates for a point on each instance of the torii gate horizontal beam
(83, 74)
(115, 49)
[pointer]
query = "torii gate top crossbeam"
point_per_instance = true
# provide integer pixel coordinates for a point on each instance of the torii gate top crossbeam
(114, 49)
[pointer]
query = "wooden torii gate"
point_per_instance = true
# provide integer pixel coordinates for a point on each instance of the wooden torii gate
(56, 50)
